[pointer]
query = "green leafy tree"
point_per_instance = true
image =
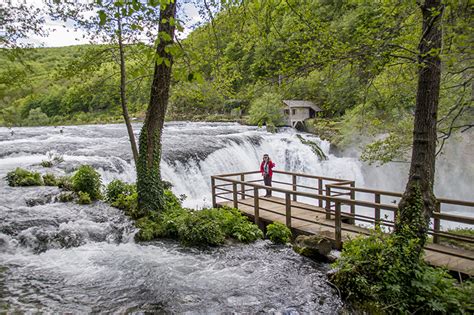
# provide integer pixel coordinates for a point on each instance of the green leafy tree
(267, 110)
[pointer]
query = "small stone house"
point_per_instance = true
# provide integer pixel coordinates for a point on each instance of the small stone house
(296, 112)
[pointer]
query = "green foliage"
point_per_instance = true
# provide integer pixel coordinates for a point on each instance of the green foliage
(65, 182)
(128, 203)
(207, 227)
(67, 196)
(22, 177)
(386, 150)
(37, 118)
(87, 180)
(46, 163)
(50, 180)
(84, 198)
(267, 110)
(116, 188)
(53, 159)
(200, 228)
(278, 233)
(385, 272)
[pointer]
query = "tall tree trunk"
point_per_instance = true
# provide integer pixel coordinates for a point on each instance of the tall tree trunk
(123, 85)
(149, 185)
(418, 201)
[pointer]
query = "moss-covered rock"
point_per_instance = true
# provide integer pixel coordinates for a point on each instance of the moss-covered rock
(66, 196)
(50, 180)
(314, 246)
(22, 177)
(65, 183)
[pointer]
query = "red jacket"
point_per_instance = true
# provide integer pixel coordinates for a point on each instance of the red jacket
(270, 166)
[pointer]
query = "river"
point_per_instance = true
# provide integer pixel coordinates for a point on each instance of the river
(63, 257)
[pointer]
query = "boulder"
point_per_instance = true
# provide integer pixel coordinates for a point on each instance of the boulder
(313, 246)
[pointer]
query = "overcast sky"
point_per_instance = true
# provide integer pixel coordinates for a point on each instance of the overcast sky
(63, 34)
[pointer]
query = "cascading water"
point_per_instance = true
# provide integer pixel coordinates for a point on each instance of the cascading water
(65, 257)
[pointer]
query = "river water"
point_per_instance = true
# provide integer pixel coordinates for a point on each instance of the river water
(63, 257)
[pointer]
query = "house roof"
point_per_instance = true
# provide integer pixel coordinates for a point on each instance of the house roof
(304, 104)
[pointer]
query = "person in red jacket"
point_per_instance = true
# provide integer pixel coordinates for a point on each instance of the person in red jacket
(266, 170)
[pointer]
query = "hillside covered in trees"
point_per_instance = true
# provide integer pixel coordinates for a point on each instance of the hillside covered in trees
(356, 60)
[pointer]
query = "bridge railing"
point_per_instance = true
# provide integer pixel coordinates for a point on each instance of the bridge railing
(329, 197)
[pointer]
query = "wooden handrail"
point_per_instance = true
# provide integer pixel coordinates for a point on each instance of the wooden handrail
(309, 176)
(312, 195)
(329, 193)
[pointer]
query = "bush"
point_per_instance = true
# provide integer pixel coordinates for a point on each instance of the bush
(66, 196)
(278, 233)
(50, 180)
(386, 273)
(267, 110)
(65, 182)
(84, 198)
(87, 180)
(201, 228)
(116, 188)
(127, 203)
(22, 177)
(46, 163)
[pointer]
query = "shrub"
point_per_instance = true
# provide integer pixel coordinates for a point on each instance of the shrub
(278, 233)
(127, 203)
(267, 110)
(88, 180)
(22, 177)
(66, 196)
(46, 163)
(50, 180)
(199, 228)
(386, 273)
(52, 160)
(116, 188)
(65, 182)
(84, 198)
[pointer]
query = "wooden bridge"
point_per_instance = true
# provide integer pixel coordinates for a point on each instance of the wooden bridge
(339, 210)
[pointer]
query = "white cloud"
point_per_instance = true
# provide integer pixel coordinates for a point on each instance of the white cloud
(64, 34)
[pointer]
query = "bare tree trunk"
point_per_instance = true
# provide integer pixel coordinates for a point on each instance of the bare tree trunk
(418, 201)
(123, 85)
(149, 185)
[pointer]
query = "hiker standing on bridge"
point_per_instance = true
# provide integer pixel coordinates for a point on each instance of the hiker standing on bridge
(266, 170)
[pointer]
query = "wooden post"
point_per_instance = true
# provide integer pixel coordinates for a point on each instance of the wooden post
(213, 189)
(234, 195)
(353, 211)
(437, 224)
(256, 206)
(328, 203)
(320, 191)
(337, 226)
(377, 210)
(294, 186)
(242, 186)
(288, 209)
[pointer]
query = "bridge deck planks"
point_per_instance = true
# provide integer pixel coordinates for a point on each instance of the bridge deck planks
(449, 259)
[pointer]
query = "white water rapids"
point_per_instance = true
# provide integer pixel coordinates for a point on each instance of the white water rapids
(64, 257)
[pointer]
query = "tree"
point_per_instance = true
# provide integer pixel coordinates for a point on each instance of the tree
(149, 184)
(422, 167)
(117, 22)
(267, 110)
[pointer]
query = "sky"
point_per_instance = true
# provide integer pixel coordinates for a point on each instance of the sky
(64, 34)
